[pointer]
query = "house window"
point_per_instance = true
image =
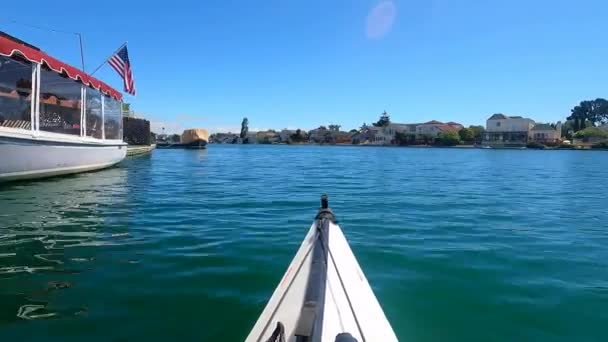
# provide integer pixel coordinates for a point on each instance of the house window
(498, 124)
(15, 93)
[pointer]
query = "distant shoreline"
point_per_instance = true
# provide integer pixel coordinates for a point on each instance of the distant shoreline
(579, 148)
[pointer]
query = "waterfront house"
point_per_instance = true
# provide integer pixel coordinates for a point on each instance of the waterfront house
(252, 137)
(546, 133)
(409, 129)
(505, 131)
(362, 136)
(318, 135)
(267, 137)
(385, 135)
(381, 135)
(430, 130)
(222, 138)
(342, 137)
(285, 134)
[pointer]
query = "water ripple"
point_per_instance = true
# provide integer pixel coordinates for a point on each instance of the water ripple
(459, 245)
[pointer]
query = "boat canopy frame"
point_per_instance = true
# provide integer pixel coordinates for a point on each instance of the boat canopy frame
(22, 52)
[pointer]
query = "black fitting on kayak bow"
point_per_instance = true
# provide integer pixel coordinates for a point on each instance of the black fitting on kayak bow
(324, 202)
(345, 337)
(324, 211)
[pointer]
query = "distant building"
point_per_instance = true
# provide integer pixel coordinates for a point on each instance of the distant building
(223, 138)
(503, 130)
(318, 135)
(285, 134)
(267, 137)
(342, 137)
(546, 133)
(386, 135)
(252, 137)
(381, 135)
(405, 128)
(433, 128)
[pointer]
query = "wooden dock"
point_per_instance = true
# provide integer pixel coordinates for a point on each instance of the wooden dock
(135, 150)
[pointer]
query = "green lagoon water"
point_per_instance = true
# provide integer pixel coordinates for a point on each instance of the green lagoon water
(459, 245)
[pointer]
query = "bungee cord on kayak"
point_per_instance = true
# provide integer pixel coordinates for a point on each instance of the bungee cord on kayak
(305, 307)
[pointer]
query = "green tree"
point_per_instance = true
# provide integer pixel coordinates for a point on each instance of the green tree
(176, 138)
(403, 139)
(126, 107)
(448, 138)
(353, 131)
(477, 132)
(568, 129)
(297, 137)
(335, 128)
(467, 135)
(384, 120)
(593, 111)
(591, 132)
(244, 130)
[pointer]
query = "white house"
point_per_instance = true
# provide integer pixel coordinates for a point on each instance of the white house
(432, 128)
(503, 123)
(546, 133)
(503, 130)
(381, 135)
(385, 135)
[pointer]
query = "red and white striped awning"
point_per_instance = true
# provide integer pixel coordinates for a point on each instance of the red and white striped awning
(11, 48)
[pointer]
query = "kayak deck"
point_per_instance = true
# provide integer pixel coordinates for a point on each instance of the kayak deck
(322, 294)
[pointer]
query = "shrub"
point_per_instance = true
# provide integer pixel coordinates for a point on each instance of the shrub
(591, 132)
(448, 139)
(535, 145)
(601, 145)
(553, 143)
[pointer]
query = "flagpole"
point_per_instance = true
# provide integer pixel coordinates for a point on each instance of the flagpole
(81, 51)
(106, 60)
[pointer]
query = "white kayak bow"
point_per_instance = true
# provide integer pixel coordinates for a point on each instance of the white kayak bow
(324, 295)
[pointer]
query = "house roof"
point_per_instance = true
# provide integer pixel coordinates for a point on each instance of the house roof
(405, 124)
(515, 117)
(447, 128)
(542, 127)
(452, 123)
(498, 116)
(433, 122)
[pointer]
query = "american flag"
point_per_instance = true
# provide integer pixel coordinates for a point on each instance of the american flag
(120, 62)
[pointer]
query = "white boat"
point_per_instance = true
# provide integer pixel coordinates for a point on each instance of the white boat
(54, 118)
(324, 295)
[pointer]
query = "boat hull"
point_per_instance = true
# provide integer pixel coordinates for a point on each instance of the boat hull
(32, 158)
(346, 303)
(194, 145)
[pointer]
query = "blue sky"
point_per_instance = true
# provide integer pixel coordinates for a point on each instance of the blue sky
(288, 63)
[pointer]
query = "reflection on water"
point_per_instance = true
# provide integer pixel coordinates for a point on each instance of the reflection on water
(45, 229)
(459, 245)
